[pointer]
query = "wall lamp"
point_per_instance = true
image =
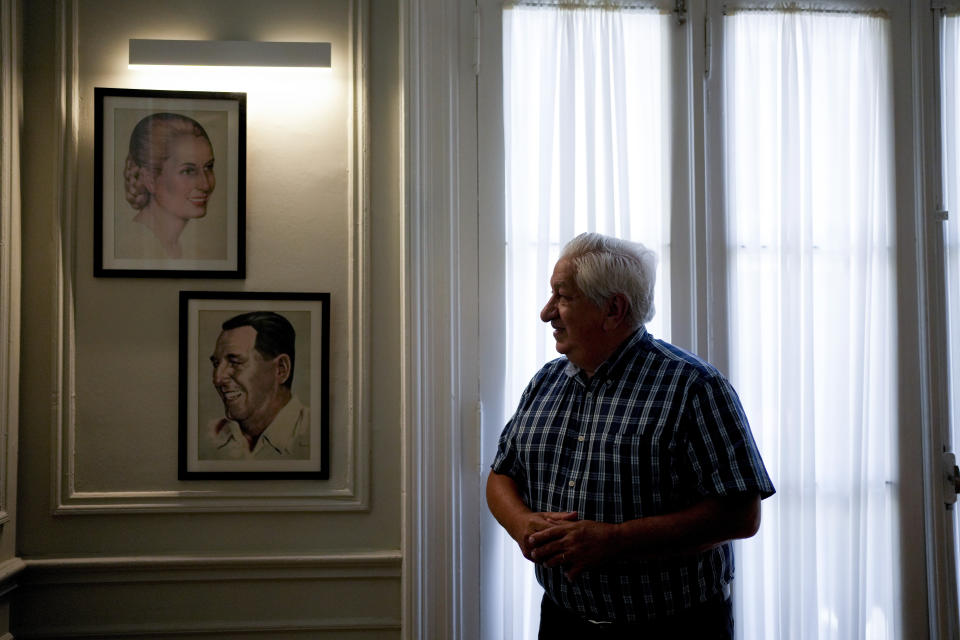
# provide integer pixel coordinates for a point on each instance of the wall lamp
(231, 53)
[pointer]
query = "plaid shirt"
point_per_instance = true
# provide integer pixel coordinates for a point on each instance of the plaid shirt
(655, 430)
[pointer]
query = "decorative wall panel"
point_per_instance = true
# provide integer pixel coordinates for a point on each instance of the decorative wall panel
(113, 412)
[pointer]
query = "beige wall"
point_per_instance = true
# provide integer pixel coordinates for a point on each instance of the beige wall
(114, 542)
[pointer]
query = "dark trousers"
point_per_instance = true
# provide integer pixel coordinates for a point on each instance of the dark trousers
(707, 621)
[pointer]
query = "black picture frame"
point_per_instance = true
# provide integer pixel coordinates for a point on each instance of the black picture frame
(295, 445)
(156, 223)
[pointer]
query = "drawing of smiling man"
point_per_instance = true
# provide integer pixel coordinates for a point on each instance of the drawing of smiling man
(253, 365)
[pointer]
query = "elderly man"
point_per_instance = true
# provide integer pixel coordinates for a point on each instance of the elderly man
(628, 466)
(253, 364)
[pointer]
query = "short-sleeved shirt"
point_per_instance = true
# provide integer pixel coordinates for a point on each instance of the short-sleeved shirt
(653, 431)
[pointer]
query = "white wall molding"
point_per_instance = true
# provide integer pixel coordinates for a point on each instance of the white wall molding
(187, 568)
(10, 254)
(103, 597)
(325, 627)
(10, 573)
(350, 494)
(931, 291)
(11, 568)
(441, 446)
(63, 407)
(11, 114)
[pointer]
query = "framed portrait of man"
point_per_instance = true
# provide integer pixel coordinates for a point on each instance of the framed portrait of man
(254, 385)
(169, 193)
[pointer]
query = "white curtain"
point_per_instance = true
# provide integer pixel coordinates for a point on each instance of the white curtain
(810, 201)
(587, 132)
(950, 86)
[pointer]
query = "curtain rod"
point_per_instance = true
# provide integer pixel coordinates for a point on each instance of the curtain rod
(612, 5)
(802, 7)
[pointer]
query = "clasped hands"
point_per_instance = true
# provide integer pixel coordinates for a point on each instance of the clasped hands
(552, 539)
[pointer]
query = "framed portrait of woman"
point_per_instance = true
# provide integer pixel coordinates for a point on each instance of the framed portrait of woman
(170, 174)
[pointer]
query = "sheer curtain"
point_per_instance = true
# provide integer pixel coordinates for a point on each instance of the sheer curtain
(809, 166)
(950, 86)
(587, 129)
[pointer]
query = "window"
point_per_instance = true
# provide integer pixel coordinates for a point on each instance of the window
(810, 201)
(779, 126)
(587, 122)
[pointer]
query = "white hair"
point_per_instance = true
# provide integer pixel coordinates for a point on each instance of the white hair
(605, 266)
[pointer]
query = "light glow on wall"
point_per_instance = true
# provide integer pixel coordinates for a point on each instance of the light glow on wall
(298, 134)
(278, 90)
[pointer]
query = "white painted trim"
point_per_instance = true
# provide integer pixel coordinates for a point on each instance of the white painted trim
(62, 406)
(359, 257)
(71, 572)
(10, 251)
(10, 572)
(441, 493)
(222, 629)
(11, 100)
(935, 415)
(711, 229)
(305, 499)
(354, 493)
(11, 568)
(915, 394)
(187, 568)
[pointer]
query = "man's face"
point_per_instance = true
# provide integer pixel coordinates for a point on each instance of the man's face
(246, 382)
(577, 322)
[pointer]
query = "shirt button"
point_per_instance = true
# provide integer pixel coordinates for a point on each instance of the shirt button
(571, 483)
(580, 438)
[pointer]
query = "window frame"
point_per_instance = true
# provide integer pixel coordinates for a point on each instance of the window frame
(917, 491)
(450, 217)
(940, 521)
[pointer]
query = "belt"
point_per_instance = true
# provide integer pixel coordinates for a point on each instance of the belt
(726, 596)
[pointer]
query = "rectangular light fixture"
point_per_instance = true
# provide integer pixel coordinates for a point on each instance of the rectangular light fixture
(230, 53)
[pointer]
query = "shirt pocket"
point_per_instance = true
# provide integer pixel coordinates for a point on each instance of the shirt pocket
(640, 463)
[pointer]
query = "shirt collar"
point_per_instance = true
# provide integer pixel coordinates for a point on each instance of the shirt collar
(610, 365)
(279, 435)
